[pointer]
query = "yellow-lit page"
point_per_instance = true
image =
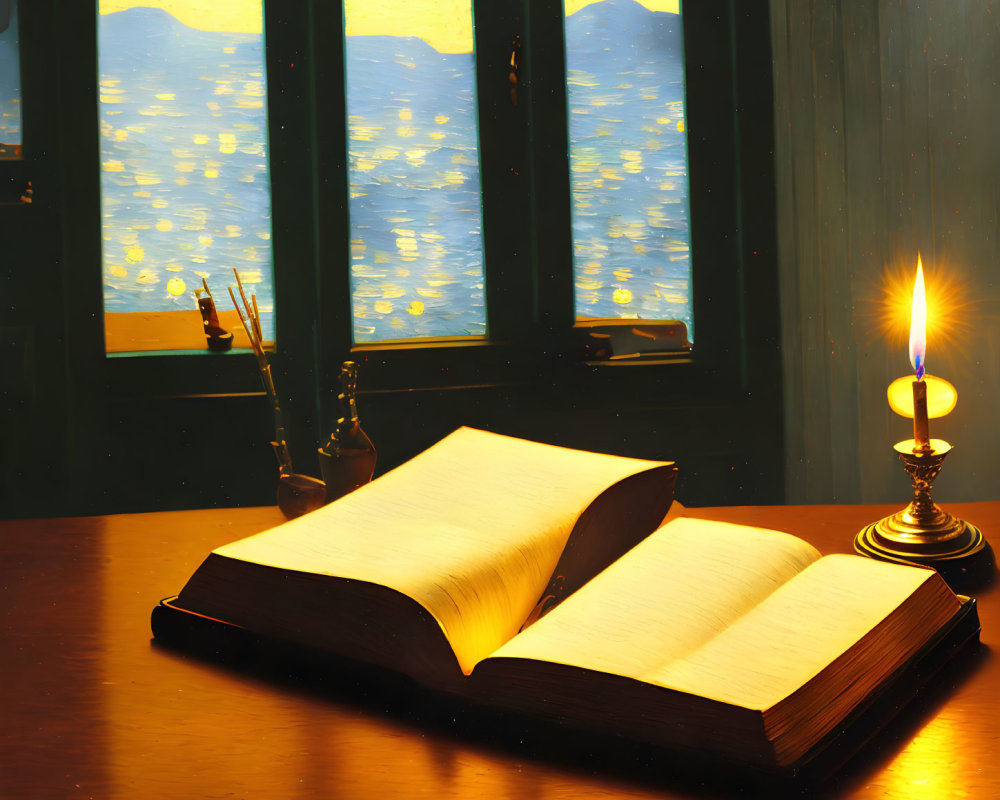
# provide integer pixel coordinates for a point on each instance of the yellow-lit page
(799, 630)
(665, 598)
(471, 529)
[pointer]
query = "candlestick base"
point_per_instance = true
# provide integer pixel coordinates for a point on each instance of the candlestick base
(922, 533)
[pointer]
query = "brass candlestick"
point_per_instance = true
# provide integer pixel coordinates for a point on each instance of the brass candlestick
(923, 533)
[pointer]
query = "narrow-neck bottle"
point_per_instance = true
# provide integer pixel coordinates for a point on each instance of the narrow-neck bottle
(347, 461)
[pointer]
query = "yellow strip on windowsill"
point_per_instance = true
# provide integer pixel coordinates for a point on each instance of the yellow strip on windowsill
(140, 331)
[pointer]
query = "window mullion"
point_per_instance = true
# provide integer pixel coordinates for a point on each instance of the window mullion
(330, 187)
(290, 139)
(511, 296)
(712, 145)
(552, 247)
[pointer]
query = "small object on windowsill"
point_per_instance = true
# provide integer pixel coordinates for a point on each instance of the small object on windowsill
(623, 339)
(347, 460)
(515, 65)
(297, 494)
(219, 339)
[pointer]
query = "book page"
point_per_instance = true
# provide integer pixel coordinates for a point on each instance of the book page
(471, 529)
(673, 592)
(802, 628)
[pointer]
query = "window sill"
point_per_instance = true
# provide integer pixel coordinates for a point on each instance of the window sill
(410, 366)
(479, 364)
(157, 332)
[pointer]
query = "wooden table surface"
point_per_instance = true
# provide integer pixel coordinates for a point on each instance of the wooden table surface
(91, 708)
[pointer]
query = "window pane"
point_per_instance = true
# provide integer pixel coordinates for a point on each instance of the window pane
(628, 159)
(416, 222)
(185, 191)
(10, 83)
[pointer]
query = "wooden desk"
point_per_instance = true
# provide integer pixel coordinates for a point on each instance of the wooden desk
(91, 708)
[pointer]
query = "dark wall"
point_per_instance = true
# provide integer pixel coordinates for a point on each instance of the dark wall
(35, 404)
(886, 120)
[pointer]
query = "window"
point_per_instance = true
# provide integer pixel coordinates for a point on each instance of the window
(185, 188)
(10, 83)
(464, 172)
(416, 227)
(416, 222)
(628, 159)
(186, 192)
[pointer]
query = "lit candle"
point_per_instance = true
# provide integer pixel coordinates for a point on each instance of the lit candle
(921, 396)
(918, 352)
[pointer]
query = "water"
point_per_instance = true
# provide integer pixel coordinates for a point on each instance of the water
(416, 221)
(628, 163)
(184, 182)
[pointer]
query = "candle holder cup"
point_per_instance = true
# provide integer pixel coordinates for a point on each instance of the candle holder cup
(923, 533)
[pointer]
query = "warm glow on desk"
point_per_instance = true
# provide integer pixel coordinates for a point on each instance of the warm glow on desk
(925, 769)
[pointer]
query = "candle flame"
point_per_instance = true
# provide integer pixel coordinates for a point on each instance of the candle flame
(952, 308)
(918, 323)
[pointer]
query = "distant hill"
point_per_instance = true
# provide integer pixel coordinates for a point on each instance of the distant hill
(597, 29)
(145, 31)
(600, 28)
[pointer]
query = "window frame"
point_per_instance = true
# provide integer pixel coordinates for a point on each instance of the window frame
(729, 147)
(526, 217)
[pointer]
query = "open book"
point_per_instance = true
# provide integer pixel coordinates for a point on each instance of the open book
(529, 577)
